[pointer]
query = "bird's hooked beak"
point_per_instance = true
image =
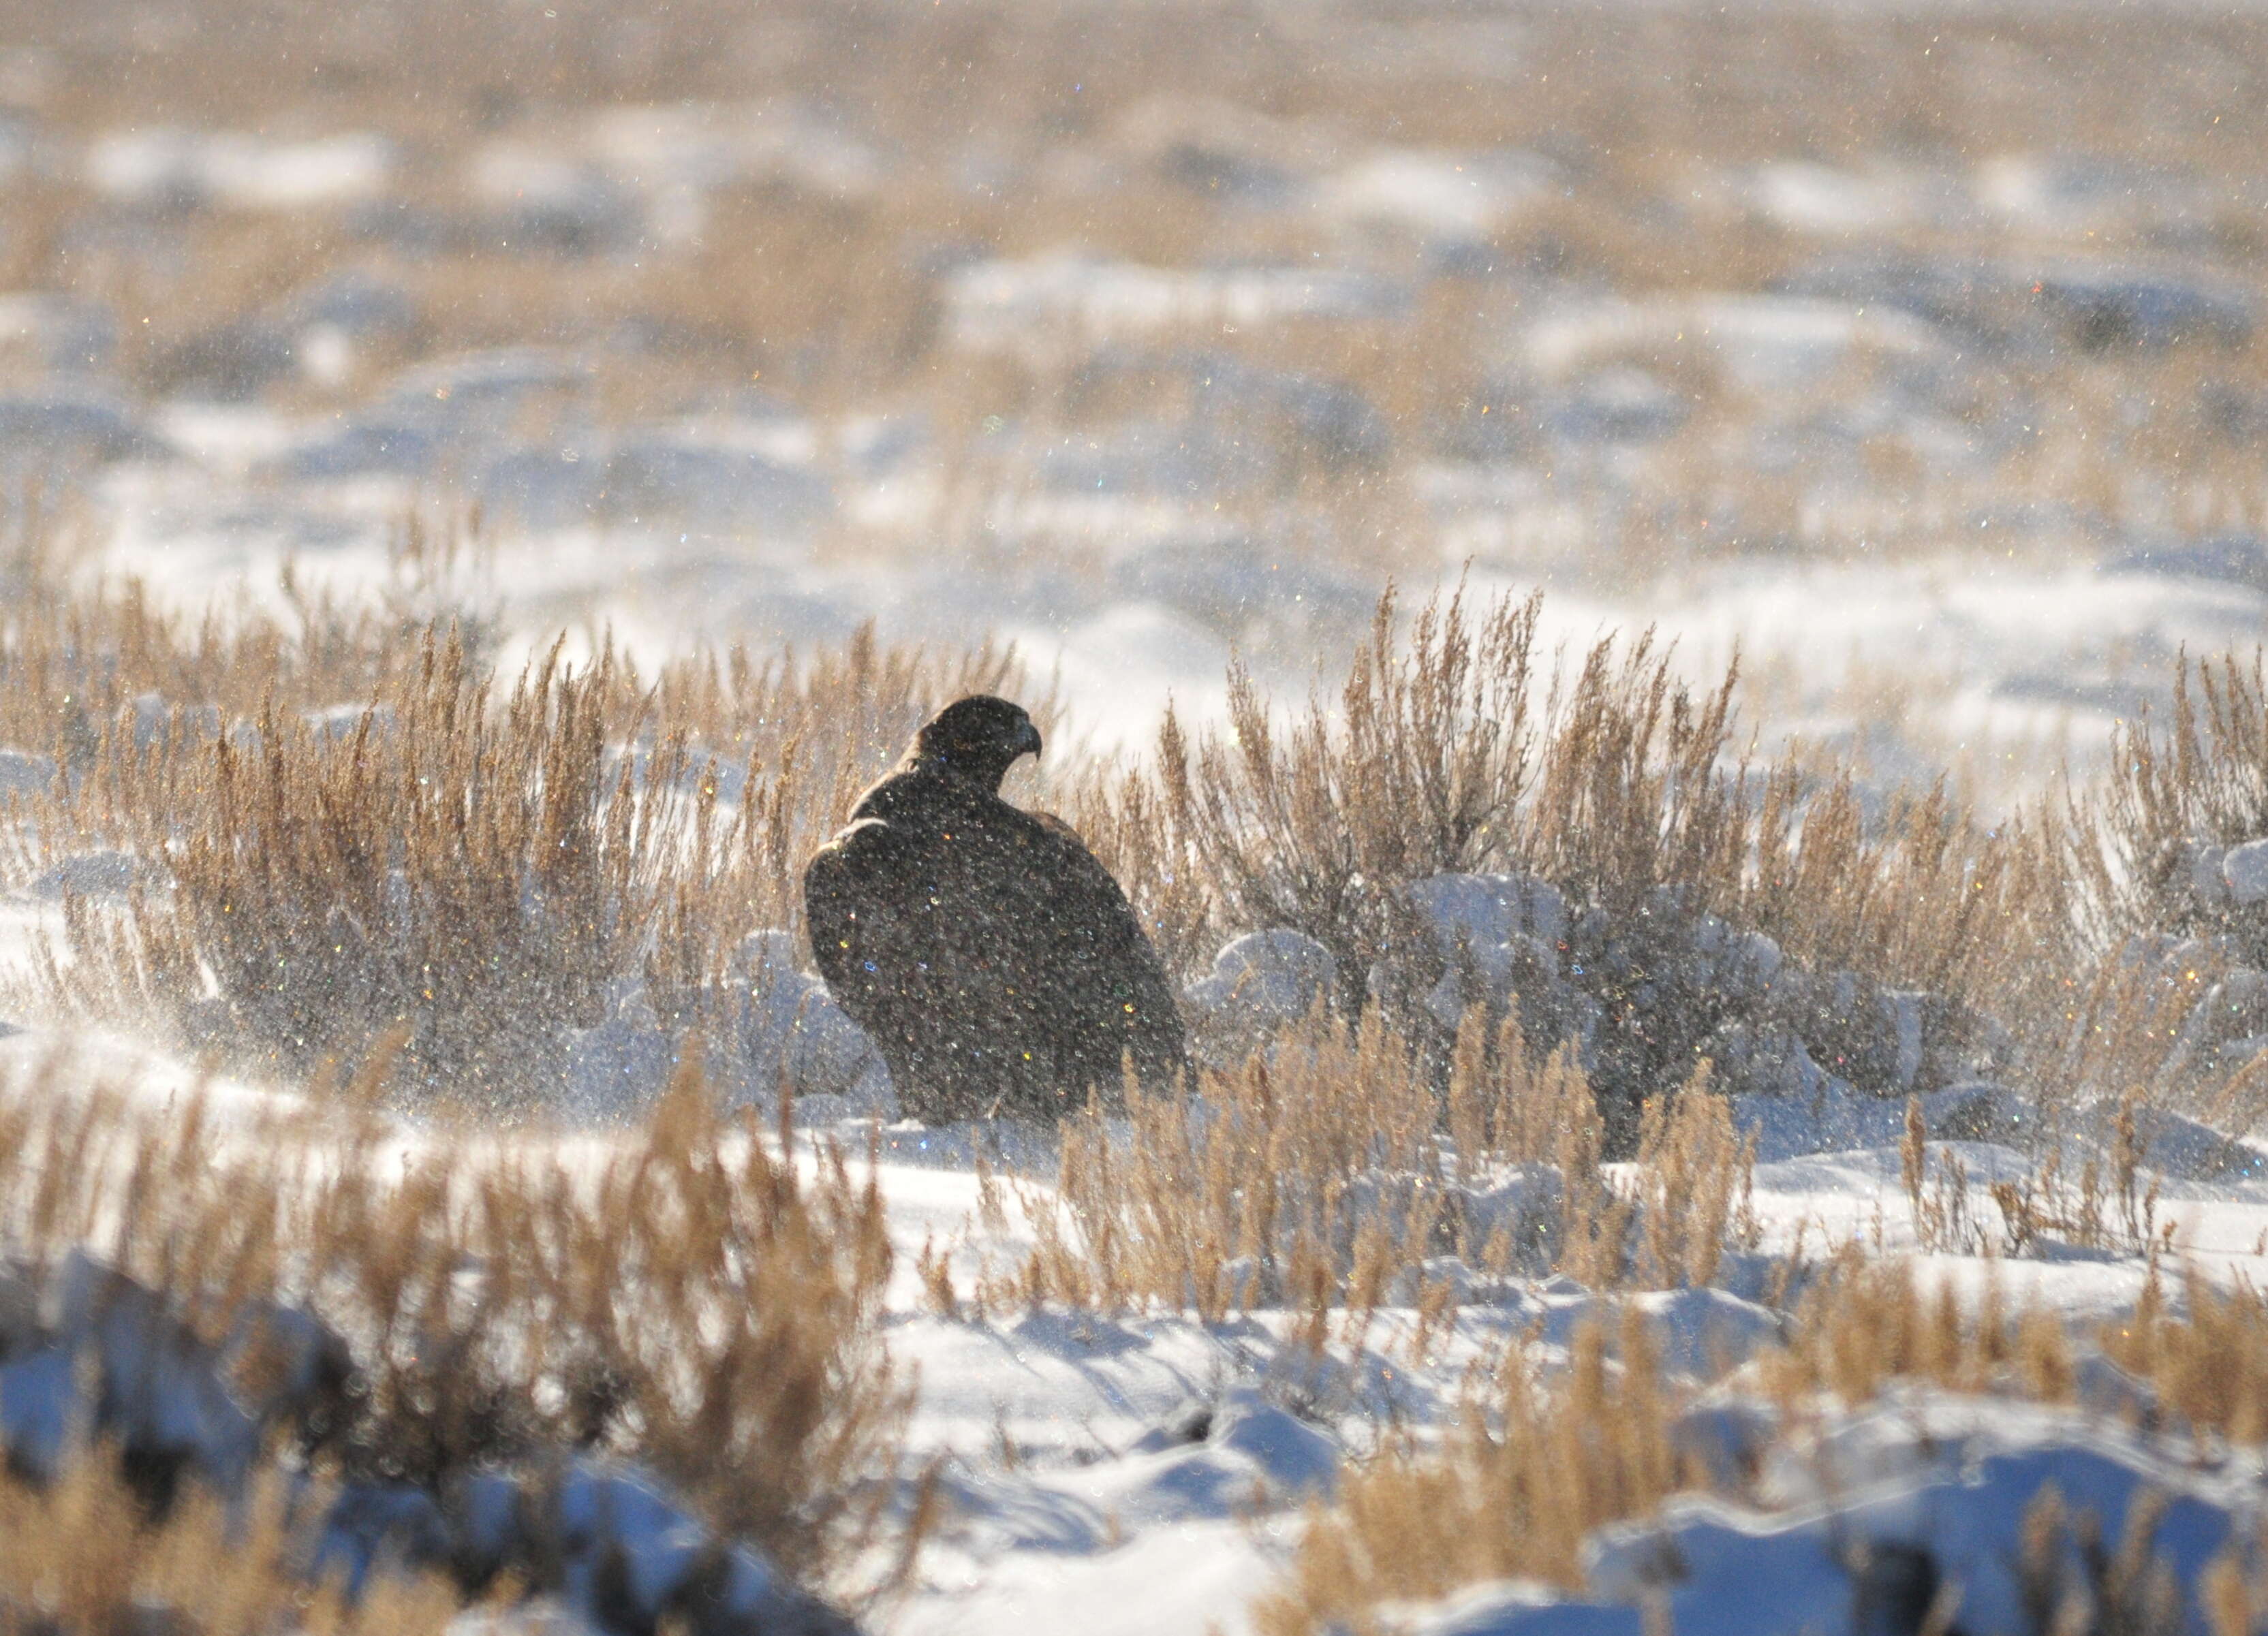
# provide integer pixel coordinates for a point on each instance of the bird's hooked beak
(1028, 740)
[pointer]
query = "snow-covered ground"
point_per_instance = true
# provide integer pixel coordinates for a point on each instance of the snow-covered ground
(1149, 1474)
(1956, 444)
(1957, 449)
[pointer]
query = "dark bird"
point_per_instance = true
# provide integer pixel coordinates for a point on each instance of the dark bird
(994, 961)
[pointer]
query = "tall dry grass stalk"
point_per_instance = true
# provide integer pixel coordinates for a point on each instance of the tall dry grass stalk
(680, 1296)
(1697, 1179)
(2206, 1354)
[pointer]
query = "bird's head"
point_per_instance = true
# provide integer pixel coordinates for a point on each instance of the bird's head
(977, 738)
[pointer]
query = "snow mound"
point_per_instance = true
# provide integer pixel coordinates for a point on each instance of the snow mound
(1217, 1462)
(600, 1539)
(1644, 993)
(102, 872)
(165, 166)
(791, 1032)
(784, 1031)
(1017, 305)
(2245, 870)
(1259, 982)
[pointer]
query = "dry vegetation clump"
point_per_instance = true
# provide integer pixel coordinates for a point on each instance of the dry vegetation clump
(1457, 748)
(2092, 1195)
(1526, 1474)
(78, 654)
(81, 1556)
(472, 875)
(680, 1298)
(1865, 1323)
(1538, 1462)
(1316, 1175)
(2166, 905)
(480, 869)
(2199, 1358)
(2150, 851)
(2205, 1356)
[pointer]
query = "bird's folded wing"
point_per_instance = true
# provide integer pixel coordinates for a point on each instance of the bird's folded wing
(853, 892)
(1094, 924)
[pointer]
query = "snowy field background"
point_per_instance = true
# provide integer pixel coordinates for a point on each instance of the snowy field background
(1914, 355)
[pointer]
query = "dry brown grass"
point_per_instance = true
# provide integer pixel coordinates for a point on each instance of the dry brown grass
(1302, 1179)
(473, 865)
(2150, 1000)
(1520, 1483)
(681, 1297)
(1015, 130)
(2199, 777)
(1696, 1182)
(1421, 769)
(2201, 1356)
(1935, 82)
(81, 1557)
(470, 873)
(2206, 1355)
(1866, 1323)
(1454, 745)
(2200, 1351)
(77, 655)
(1538, 1462)
(1316, 1178)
